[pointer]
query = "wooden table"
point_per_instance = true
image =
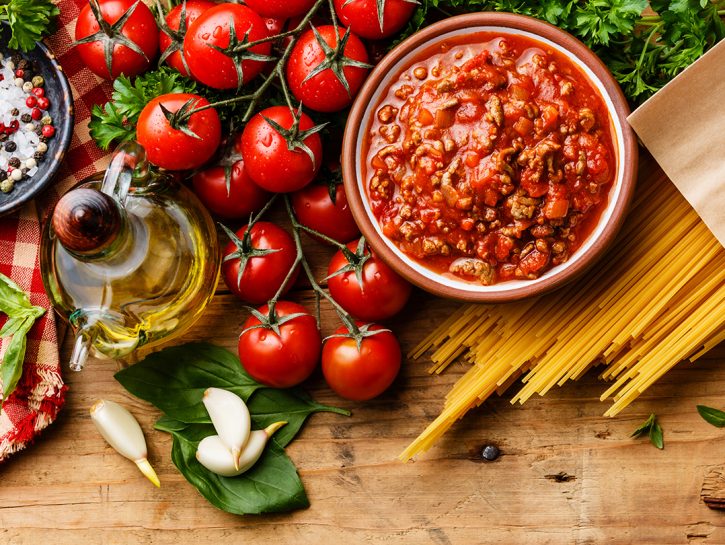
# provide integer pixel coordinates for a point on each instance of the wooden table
(566, 474)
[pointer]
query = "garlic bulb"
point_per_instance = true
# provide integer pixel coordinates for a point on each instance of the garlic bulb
(231, 419)
(121, 430)
(213, 454)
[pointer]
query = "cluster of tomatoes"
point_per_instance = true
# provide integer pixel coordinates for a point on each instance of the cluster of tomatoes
(279, 150)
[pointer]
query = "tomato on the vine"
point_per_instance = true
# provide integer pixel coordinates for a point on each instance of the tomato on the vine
(383, 292)
(212, 42)
(178, 20)
(115, 37)
(281, 9)
(282, 150)
(176, 143)
(314, 208)
(363, 17)
(256, 264)
(283, 360)
(325, 72)
(364, 373)
(229, 192)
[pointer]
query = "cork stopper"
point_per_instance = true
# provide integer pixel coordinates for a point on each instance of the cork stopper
(86, 221)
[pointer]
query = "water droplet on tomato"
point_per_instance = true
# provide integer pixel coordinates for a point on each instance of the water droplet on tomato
(262, 336)
(345, 281)
(267, 140)
(377, 275)
(217, 31)
(308, 205)
(205, 36)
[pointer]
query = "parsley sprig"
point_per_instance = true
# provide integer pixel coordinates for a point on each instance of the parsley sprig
(29, 21)
(653, 430)
(643, 48)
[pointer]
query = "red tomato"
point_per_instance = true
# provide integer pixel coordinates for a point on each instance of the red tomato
(324, 91)
(140, 28)
(362, 16)
(283, 360)
(269, 161)
(382, 294)
(194, 8)
(237, 201)
(314, 208)
(170, 148)
(264, 274)
(281, 9)
(365, 373)
(212, 29)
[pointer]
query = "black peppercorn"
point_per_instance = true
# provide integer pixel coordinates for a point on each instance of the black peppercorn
(490, 453)
(14, 112)
(3, 137)
(38, 155)
(3, 175)
(14, 162)
(43, 138)
(10, 146)
(26, 118)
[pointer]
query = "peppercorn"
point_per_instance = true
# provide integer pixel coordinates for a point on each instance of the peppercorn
(6, 185)
(3, 137)
(490, 453)
(25, 118)
(38, 81)
(14, 112)
(3, 175)
(14, 162)
(38, 155)
(10, 146)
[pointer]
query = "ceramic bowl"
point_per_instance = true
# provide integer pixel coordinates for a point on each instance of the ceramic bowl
(58, 91)
(404, 56)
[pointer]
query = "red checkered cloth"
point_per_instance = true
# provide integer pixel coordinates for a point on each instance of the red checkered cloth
(40, 393)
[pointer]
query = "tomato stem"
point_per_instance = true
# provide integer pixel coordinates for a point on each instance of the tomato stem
(346, 319)
(277, 72)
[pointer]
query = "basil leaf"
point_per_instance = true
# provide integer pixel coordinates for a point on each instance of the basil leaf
(13, 300)
(715, 417)
(293, 406)
(656, 437)
(174, 379)
(644, 427)
(11, 368)
(271, 486)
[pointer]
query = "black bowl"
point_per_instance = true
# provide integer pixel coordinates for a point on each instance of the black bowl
(58, 91)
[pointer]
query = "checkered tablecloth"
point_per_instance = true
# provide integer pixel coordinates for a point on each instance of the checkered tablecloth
(40, 393)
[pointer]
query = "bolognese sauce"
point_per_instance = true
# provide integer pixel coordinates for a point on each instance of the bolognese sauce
(490, 158)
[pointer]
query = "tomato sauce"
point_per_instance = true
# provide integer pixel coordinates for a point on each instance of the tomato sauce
(489, 158)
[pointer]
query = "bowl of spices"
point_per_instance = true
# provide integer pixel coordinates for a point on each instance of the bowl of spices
(36, 122)
(488, 158)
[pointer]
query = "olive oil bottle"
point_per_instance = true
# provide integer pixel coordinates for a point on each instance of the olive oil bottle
(128, 259)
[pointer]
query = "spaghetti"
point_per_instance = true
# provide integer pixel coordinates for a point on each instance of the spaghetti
(656, 299)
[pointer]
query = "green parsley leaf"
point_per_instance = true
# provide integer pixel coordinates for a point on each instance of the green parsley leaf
(116, 121)
(29, 21)
(716, 417)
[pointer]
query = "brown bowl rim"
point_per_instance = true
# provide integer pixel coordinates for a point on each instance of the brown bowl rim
(428, 35)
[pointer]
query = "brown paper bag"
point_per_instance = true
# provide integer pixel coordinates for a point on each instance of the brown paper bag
(683, 126)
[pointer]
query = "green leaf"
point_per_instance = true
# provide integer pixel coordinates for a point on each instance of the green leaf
(293, 406)
(29, 21)
(653, 431)
(715, 417)
(12, 298)
(174, 379)
(11, 368)
(271, 486)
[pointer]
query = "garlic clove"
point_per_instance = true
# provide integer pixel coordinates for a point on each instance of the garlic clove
(122, 431)
(231, 419)
(213, 454)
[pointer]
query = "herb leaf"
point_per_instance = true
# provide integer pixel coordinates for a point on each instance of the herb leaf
(653, 430)
(293, 406)
(271, 486)
(174, 379)
(715, 417)
(116, 121)
(29, 21)
(14, 302)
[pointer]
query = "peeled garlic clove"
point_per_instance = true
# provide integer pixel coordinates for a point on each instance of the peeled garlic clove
(231, 419)
(213, 454)
(121, 430)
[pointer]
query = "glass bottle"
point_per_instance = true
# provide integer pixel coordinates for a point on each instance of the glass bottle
(129, 258)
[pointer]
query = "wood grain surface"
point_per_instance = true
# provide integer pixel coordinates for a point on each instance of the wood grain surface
(566, 475)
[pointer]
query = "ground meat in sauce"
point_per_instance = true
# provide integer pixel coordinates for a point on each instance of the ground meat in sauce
(490, 160)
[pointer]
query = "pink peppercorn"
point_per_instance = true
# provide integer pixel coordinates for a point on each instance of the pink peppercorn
(48, 131)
